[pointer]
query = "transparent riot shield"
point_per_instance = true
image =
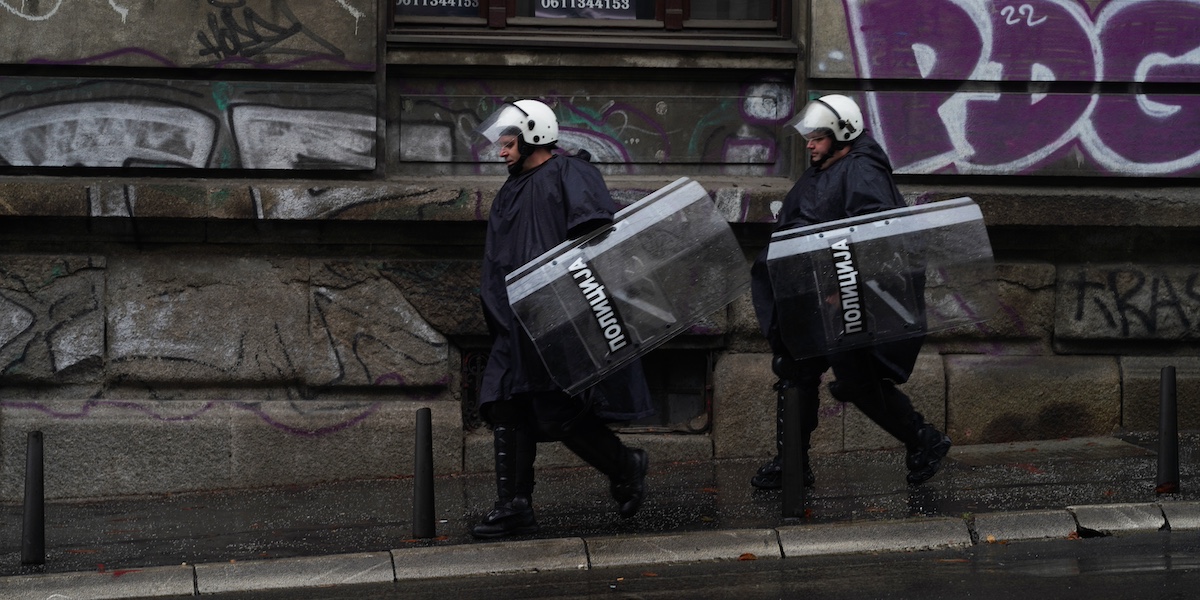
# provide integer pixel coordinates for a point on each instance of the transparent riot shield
(881, 277)
(594, 304)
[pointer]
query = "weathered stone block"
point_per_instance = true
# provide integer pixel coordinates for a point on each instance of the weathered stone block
(1024, 320)
(374, 336)
(444, 292)
(116, 447)
(22, 197)
(1011, 398)
(173, 201)
(1128, 302)
(279, 443)
(116, 199)
(744, 407)
(208, 319)
(1141, 380)
(744, 332)
(52, 318)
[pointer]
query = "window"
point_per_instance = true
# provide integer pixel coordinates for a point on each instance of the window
(659, 14)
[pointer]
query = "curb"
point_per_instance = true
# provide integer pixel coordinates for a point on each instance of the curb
(728, 544)
(565, 554)
(562, 554)
(1024, 525)
(314, 571)
(874, 536)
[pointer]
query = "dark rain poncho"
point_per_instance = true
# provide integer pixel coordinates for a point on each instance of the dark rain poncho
(533, 212)
(857, 184)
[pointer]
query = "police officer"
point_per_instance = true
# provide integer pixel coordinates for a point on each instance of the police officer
(548, 198)
(849, 175)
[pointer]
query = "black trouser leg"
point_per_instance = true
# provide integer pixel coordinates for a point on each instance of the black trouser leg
(803, 376)
(892, 410)
(595, 443)
(887, 406)
(770, 475)
(860, 383)
(515, 450)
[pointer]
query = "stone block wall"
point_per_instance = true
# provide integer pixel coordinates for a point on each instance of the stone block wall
(228, 350)
(165, 355)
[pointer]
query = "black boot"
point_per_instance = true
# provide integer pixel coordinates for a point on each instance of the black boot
(925, 458)
(770, 475)
(629, 490)
(515, 451)
(625, 467)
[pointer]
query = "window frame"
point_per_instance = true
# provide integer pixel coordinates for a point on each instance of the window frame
(670, 16)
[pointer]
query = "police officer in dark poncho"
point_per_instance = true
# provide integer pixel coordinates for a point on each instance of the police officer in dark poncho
(547, 199)
(849, 175)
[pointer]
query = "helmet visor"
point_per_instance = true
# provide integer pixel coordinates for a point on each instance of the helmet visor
(507, 120)
(814, 122)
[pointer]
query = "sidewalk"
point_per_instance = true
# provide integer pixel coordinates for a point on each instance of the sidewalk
(361, 532)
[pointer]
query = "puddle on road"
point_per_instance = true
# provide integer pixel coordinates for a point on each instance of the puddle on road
(1100, 448)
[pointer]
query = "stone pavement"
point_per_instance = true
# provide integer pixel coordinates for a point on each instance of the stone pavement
(362, 531)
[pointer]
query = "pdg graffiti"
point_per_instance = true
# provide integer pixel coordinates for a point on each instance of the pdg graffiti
(1042, 42)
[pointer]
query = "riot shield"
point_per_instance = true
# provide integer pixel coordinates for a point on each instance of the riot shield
(594, 304)
(881, 277)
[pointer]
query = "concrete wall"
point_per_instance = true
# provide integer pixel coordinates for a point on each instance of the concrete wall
(240, 246)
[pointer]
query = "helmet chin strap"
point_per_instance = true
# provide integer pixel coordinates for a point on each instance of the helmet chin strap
(523, 150)
(517, 166)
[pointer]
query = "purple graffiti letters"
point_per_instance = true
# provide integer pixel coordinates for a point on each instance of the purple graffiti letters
(1036, 41)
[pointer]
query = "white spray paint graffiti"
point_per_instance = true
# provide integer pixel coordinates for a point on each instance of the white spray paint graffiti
(107, 134)
(279, 138)
(20, 12)
(62, 127)
(354, 12)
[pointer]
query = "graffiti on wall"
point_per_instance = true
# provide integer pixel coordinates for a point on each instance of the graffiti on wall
(1041, 42)
(235, 32)
(733, 129)
(265, 34)
(51, 317)
(1130, 302)
(189, 124)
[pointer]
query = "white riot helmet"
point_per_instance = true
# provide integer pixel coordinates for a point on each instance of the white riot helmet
(834, 115)
(532, 120)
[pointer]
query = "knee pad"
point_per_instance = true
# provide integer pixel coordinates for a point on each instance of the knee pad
(507, 413)
(854, 393)
(785, 367)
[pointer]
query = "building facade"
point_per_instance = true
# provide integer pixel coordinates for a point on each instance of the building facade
(240, 240)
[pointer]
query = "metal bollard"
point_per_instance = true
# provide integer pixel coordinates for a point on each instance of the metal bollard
(793, 454)
(33, 534)
(1168, 435)
(423, 521)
